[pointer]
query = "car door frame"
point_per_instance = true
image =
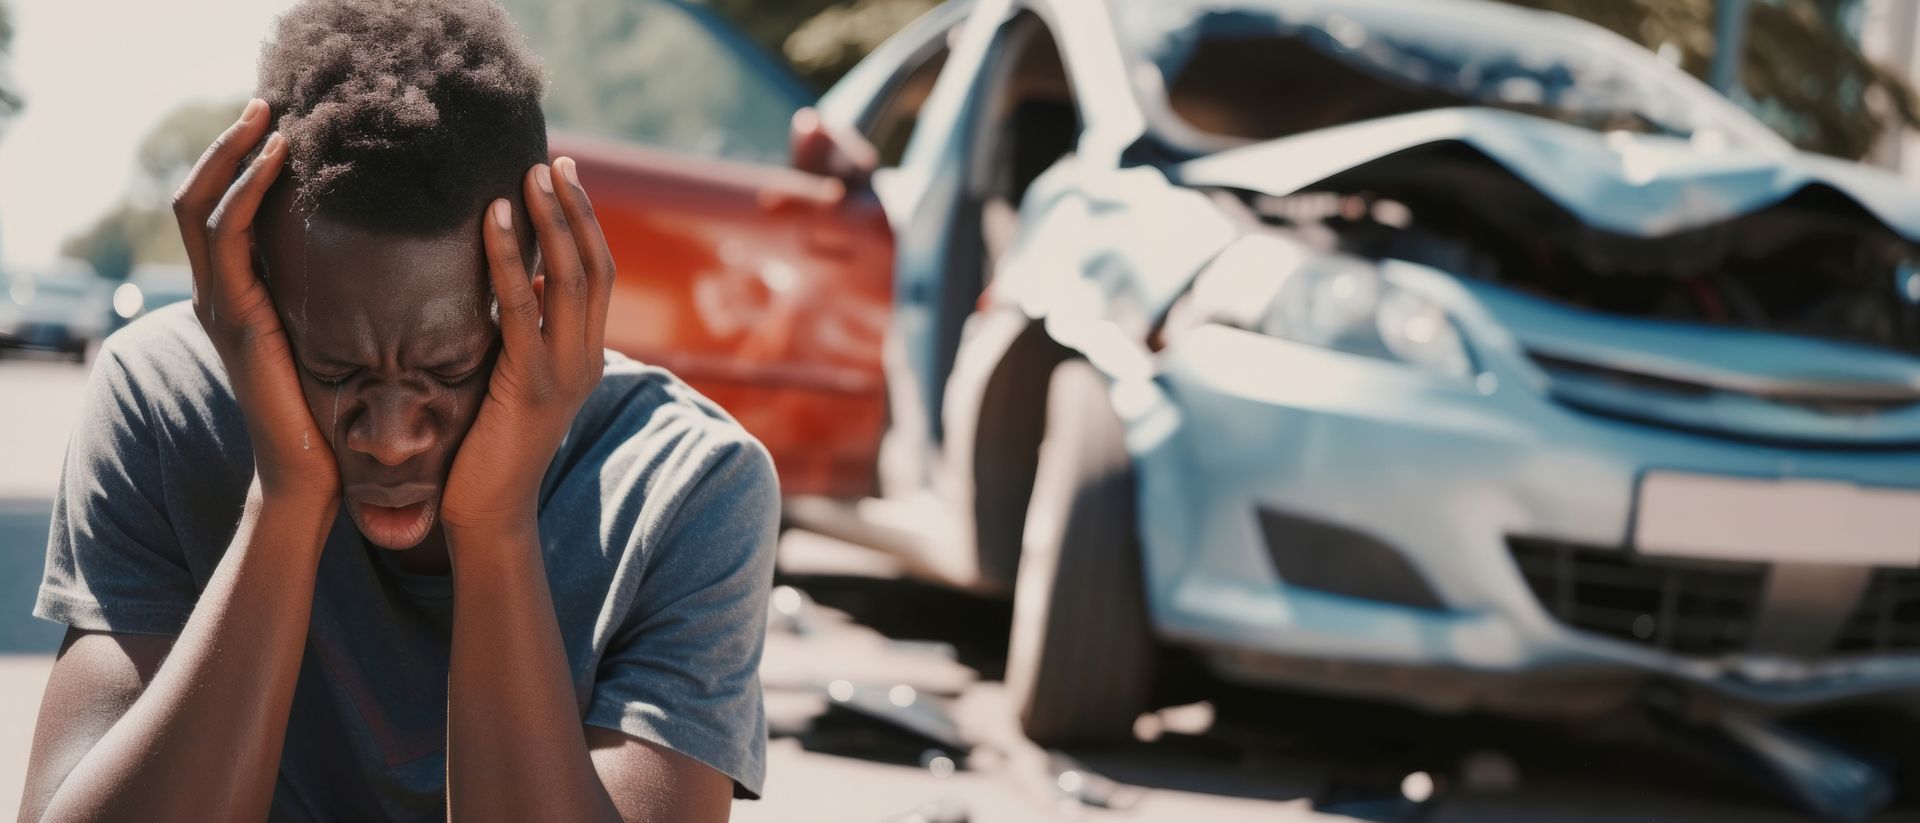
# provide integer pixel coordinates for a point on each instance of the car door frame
(940, 172)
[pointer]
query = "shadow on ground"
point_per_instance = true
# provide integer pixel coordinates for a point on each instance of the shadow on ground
(1351, 758)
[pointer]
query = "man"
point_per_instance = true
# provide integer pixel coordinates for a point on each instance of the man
(378, 530)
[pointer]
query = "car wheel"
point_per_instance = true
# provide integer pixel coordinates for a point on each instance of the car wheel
(1081, 659)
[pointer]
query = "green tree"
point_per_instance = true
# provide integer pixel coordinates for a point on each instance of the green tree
(833, 39)
(140, 228)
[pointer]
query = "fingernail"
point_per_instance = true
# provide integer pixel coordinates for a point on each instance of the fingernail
(274, 142)
(502, 214)
(252, 110)
(543, 177)
(566, 167)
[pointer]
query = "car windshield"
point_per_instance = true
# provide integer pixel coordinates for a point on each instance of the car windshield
(1217, 73)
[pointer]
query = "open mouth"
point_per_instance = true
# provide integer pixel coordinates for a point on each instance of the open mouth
(394, 527)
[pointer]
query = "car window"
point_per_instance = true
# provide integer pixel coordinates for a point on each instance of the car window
(882, 96)
(893, 122)
(661, 72)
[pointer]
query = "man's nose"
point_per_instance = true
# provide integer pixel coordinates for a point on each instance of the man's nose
(394, 427)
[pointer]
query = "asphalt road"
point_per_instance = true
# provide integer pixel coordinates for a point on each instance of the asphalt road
(925, 732)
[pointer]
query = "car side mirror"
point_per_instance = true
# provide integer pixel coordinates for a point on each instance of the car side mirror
(818, 148)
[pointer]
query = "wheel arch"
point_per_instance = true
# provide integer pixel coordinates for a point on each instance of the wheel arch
(995, 426)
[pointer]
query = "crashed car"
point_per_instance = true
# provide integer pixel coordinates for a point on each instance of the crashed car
(1446, 353)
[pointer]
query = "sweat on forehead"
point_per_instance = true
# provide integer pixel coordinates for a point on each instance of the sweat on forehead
(403, 115)
(327, 275)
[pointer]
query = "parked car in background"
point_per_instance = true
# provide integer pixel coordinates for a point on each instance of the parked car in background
(148, 286)
(59, 307)
(1446, 353)
(766, 287)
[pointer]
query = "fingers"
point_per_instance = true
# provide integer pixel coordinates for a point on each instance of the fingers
(209, 180)
(230, 228)
(567, 291)
(519, 305)
(591, 244)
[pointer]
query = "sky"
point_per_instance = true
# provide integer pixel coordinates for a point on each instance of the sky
(97, 74)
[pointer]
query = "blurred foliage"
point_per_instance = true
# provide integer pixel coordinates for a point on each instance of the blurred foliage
(831, 41)
(10, 101)
(653, 72)
(141, 229)
(1801, 73)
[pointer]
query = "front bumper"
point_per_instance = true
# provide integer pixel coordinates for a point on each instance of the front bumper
(1456, 479)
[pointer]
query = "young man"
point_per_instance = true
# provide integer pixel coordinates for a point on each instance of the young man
(378, 530)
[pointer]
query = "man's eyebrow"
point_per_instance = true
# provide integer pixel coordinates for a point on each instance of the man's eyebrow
(455, 350)
(311, 357)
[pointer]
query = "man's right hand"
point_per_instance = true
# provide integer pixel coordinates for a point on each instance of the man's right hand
(215, 209)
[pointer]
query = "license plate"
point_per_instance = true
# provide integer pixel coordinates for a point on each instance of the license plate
(1776, 520)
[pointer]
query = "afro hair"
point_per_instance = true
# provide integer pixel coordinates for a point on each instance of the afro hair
(404, 116)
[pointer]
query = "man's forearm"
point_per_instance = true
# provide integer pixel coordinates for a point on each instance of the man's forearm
(515, 746)
(203, 741)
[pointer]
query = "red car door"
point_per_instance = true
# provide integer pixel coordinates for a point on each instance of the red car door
(760, 284)
(766, 288)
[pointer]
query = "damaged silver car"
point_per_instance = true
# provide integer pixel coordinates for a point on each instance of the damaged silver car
(1444, 352)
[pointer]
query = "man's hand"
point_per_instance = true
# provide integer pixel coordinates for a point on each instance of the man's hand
(215, 211)
(552, 329)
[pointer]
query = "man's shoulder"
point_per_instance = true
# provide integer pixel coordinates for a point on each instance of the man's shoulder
(646, 429)
(649, 457)
(641, 404)
(164, 348)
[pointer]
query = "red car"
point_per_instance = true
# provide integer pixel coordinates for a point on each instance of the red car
(764, 286)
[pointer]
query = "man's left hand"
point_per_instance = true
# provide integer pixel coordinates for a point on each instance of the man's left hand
(552, 328)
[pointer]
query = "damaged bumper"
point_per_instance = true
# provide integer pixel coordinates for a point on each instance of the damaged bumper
(1320, 519)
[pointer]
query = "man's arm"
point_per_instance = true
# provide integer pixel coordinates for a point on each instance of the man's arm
(200, 738)
(516, 749)
(203, 740)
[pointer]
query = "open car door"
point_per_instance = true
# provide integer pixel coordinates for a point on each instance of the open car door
(754, 262)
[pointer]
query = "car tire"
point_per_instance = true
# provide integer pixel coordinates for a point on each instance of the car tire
(1081, 659)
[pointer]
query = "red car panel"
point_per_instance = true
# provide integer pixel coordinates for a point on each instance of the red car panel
(766, 288)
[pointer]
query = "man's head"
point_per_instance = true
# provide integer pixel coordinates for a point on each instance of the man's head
(403, 120)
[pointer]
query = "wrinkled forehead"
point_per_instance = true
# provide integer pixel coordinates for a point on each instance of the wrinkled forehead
(339, 285)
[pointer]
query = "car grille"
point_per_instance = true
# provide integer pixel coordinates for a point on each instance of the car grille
(1887, 617)
(1686, 607)
(1735, 412)
(1639, 381)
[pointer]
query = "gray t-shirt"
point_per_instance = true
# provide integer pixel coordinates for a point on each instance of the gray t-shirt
(657, 522)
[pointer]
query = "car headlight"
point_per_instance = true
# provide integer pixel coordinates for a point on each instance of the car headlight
(127, 301)
(1275, 286)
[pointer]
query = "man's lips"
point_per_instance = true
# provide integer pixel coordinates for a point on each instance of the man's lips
(396, 517)
(393, 497)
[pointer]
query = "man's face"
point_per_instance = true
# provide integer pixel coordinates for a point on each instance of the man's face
(394, 343)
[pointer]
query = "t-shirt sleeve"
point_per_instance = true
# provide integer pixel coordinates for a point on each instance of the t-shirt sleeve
(683, 670)
(113, 560)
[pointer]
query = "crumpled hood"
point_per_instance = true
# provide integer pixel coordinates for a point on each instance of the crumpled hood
(1629, 184)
